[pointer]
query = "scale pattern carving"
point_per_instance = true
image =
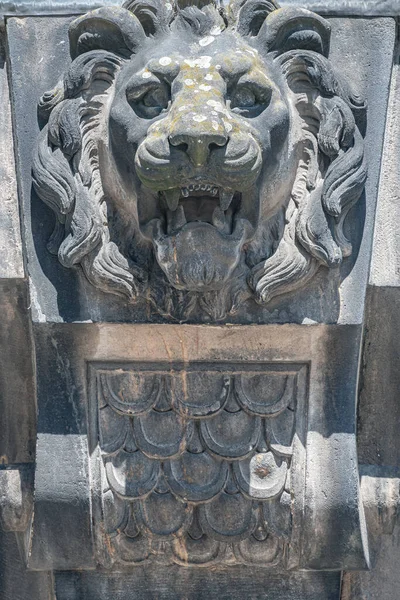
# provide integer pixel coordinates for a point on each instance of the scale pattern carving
(196, 462)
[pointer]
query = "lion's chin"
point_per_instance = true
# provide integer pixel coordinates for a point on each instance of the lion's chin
(199, 258)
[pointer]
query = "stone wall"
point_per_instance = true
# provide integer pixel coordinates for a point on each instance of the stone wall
(199, 277)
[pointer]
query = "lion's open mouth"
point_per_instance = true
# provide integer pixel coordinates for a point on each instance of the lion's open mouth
(204, 203)
(198, 234)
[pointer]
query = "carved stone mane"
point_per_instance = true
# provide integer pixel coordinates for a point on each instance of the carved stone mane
(197, 156)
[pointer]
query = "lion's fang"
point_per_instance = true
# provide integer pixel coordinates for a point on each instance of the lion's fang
(218, 218)
(172, 198)
(225, 198)
(185, 192)
(176, 220)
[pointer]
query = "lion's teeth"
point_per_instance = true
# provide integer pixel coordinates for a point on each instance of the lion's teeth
(191, 188)
(172, 198)
(185, 192)
(196, 187)
(176, 220)
(225, 198)
(214, 191)
(218, 218)
(203, 187)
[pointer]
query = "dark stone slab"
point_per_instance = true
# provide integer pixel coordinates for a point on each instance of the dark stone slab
(173, 583)
(16, 583)
(380, 379)
(378, 422)
(17, 404)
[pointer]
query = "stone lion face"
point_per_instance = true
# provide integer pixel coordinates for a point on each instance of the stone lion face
(203, 153)
(200, 142)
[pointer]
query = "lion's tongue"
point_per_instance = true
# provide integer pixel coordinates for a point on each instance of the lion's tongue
(199, 257)
(177, 219)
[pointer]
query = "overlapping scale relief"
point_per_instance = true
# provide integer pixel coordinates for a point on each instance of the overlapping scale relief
(196, 464)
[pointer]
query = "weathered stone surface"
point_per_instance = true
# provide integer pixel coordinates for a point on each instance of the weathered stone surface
(379, 384)
(328, 481)
(17, 437)
(17, 393)
(11, 261)
(363, 8)
(16, 497)
(162, 447)
(195, 584)
(385, 266)
(216, 475)
(16, 583)
(377, 38)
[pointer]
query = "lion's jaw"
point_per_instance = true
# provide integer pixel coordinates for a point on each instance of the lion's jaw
(199, 257)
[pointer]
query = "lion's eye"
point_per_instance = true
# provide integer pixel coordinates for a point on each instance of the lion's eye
(243, 98)
(250, 100)
(148, 101)
(156, 98)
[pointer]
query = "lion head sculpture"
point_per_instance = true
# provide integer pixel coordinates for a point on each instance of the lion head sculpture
(199, 156)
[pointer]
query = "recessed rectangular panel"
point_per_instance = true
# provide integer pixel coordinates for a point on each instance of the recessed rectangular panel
(196, 460)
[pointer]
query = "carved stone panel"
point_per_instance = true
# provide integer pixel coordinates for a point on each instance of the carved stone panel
(196, 184)
(196, 461)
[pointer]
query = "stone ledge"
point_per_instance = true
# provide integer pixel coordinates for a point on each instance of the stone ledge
(360, 8)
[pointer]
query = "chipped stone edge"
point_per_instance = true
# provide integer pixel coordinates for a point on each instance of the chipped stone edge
(26, 8)
(355, 8)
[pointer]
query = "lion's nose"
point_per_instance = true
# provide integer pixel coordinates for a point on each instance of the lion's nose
(198, 144)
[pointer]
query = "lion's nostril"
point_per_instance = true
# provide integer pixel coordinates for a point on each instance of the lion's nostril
(214, 146)
(182, 147)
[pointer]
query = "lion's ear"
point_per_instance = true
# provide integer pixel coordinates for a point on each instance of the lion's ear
(154, 15)
(251, 14)
(113, 29)
(295, 28)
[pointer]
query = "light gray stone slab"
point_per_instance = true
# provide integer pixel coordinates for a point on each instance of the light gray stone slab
(61, 529)
(373, 8)
(362, 8)
(11, 261)
(47, 47)
(372, 41)
(385, 264)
